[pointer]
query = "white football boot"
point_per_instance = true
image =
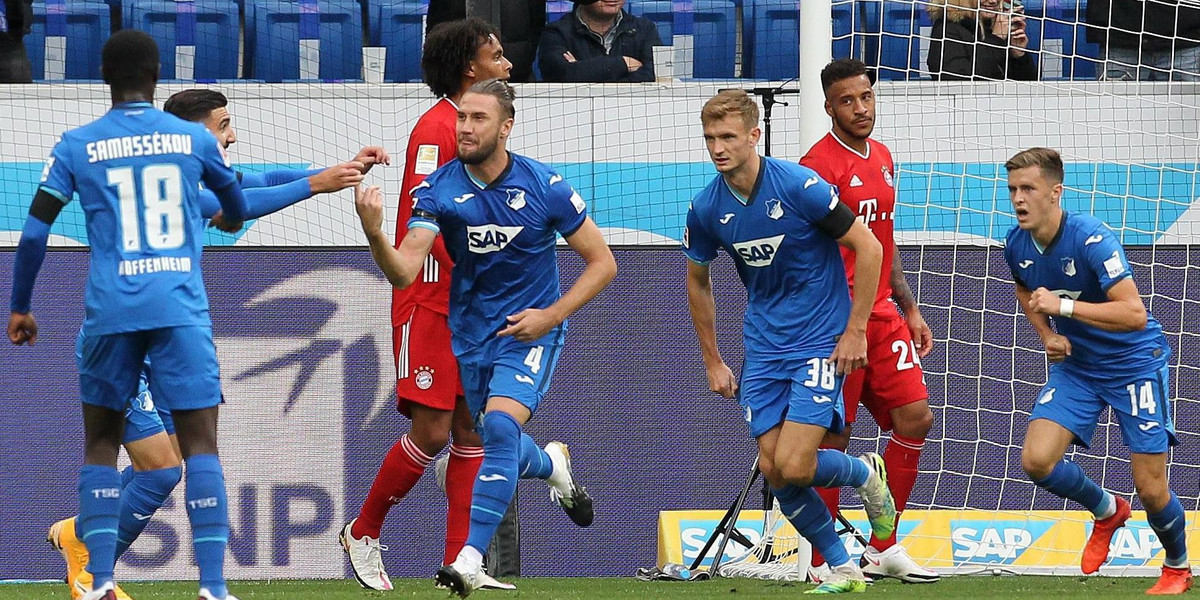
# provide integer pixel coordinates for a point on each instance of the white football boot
(366, 559)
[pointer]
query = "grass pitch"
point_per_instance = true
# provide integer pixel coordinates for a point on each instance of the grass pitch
(1017, 588)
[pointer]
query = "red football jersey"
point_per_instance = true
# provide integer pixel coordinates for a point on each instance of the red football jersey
(430, 145)
(866, 184)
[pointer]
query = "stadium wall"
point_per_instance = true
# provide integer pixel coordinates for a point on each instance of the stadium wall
(636, 153)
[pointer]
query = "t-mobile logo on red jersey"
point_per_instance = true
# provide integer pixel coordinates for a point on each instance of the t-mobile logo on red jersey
(868, 212)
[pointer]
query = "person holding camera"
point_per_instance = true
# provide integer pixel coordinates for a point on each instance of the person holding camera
(979, 40)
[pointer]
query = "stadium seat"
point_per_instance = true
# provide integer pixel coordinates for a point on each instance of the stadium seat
(400, 27)
(714, 29)
(772, 37)
(904, 28)
(305, 40)
(1066, 54)
(197, 39)
(66, 38)
(555, 9)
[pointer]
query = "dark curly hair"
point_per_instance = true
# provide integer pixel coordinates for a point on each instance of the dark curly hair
(449, 49)
(842, 68)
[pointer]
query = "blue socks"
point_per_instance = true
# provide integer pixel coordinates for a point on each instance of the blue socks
(140, 498)
(99, 504)
(807, 513)
(1171, 526)
(535, 463)
(1067, 480)
(127, 476)
(497, 479)
(837, 469)
(208, 510)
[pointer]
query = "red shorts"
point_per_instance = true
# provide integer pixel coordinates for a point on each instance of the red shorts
(426, 372)
(893, 376)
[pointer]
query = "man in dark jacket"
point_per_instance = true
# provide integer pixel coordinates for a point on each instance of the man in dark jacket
(599, 42)
(520, 22)
(16, 17)
(1147, 40)
(979, 40)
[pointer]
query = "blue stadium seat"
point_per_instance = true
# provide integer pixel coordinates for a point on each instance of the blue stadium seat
(714, 27)
(304, 40)
(772, 37)
(555, 9)
(400, 27)
(197, 39)
(1066, 54)
(904, 40)
(75, 32)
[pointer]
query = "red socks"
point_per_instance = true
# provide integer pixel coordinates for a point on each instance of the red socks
(460, 483)
(901, 457)
(401, 468)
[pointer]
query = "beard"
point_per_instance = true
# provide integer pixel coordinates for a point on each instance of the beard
(480, 154)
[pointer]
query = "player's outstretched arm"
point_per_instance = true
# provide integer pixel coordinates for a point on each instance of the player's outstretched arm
(600, 268)
(851, 350)
(400, 265)
(704, 318)
(1124, 310)
(27, 261)
(902, 294)
(262, 201)
(1058, 347)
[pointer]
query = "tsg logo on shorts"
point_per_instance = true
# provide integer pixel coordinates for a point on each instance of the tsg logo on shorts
(760, 252)
(483, 239)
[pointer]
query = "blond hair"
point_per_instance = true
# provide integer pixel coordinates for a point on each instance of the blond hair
(1047, 159)
(952, 10)
(731, 102)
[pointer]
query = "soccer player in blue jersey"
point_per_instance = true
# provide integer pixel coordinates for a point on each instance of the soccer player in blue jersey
(781, 223)
(499, 214)
(137, 172)
(149, 438)
(1077, 290)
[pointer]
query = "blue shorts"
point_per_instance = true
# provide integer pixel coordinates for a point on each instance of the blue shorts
(1141, 404)
(144, 417)
(802, 390)
(507, 368)
(185, 373)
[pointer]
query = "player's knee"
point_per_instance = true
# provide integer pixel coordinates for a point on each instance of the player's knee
(1154, 497)
(466, 436)
(915, 425)
(837, 441)
(430, 440)
(799, 472)
(771, 472)
(1037, 467)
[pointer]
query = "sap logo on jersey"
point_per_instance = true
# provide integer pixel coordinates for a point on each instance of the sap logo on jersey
(1134, 544)
(994, 542)
(490, 238)
(760, 252)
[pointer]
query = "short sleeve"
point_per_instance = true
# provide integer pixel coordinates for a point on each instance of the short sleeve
(1106, 257)
(814, 197)
(566, 207)
(698, 245)
(426, 208)
(218, 173)
(57, 178)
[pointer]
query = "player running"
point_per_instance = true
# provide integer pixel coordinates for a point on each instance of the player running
(137, 171)
(1105, 350)
(782, 225)
(892, 385)
(457, 54)
(150, 439)
(499, 214)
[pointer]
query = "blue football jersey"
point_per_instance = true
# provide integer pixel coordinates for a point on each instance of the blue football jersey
(798, 298)
(136, 171)
(501, 237)
(1082, 262)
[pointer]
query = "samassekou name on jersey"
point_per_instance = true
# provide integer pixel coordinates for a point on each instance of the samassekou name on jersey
(139, 145)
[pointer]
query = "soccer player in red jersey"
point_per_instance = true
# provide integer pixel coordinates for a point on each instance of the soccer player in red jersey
(892, 385)
(456, 55)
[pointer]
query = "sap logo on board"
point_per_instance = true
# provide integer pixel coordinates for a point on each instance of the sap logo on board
(760, 252)
(1134, 544)
(693, 533)
(490, 238)
(994, 542)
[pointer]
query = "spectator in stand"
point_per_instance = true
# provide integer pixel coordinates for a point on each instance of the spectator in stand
(1146, 41)
(599, 42)
(979, 40)
(16, 16)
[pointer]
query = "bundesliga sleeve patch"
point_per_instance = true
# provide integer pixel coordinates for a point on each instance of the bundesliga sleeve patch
(427, 159)
(1114, 266)
(577, 202)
